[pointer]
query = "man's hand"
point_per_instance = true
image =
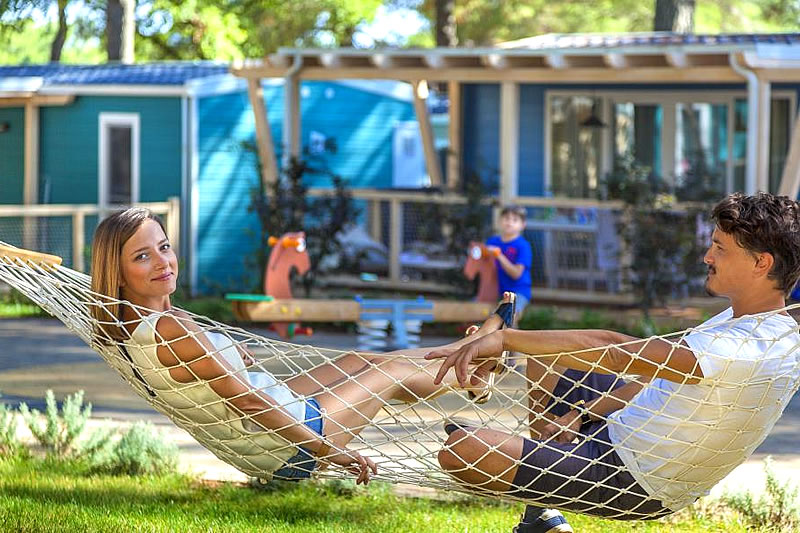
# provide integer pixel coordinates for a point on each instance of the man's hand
(478, 351)
(353, 462)
(563, 429)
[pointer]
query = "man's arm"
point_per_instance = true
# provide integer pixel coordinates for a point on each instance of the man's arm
(587, 350)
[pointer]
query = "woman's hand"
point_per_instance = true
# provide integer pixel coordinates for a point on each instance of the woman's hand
(486, 347)
(563, 429)
(248, 358)
(353, 462)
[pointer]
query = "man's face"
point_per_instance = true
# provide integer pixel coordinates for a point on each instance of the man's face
(729, 265)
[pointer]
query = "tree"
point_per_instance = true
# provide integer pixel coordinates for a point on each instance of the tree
(674, 15)
(446, 23)
(61, 33)
(120, 25)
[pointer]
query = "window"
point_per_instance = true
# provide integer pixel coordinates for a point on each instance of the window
(695, 141)
(118, 180)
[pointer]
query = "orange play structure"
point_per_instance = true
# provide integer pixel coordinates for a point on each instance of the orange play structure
(481, 262)
(289, 254)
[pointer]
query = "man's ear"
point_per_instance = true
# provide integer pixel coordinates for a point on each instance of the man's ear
(764, 263)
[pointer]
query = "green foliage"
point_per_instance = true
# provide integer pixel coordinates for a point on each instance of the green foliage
(60, 433)
(9, 444)
(775, 510)
(663, 254)
(287, 207)
(14, 304)
(139, 451)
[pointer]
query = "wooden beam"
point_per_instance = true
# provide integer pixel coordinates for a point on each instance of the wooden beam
(677, 59)
(509, 142)
(614, 60)
(299, 310)
(790, 179)
(556, 61)
(454, 150)
(266, 147)
(38, 100)
(554, 71)
(420, 90)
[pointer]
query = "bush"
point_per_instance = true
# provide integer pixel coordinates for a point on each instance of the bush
(61, 432)
(140, 451)
(776, 510)
(9, 445)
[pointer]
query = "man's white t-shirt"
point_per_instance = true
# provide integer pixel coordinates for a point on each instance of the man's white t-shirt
(679, 440)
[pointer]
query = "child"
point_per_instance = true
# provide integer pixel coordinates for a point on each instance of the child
(515, 257)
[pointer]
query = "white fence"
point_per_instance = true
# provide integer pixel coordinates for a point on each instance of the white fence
(62, 229)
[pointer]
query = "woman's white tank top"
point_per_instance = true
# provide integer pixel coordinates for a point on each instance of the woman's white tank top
(195, 407)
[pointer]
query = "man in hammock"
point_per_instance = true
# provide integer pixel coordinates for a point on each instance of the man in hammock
(702, 401)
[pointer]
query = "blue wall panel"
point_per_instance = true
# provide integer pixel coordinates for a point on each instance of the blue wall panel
(360, 123)
(69, 147)
(481, 137)
(12, 155)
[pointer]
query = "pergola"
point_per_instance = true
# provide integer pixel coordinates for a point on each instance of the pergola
(757, 60)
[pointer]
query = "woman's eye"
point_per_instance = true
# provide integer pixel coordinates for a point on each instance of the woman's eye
(166, 246)
(140, 257)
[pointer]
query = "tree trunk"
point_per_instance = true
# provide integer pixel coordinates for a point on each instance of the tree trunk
(120, 27)
(61, 34)
(674, 15)
(446, 23)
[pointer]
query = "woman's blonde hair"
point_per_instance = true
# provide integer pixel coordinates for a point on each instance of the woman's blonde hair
(109, 238)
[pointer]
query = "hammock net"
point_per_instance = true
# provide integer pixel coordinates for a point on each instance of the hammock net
(405, 437)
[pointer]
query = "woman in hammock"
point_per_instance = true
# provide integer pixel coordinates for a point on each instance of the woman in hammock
(702, 403)
(250, 419)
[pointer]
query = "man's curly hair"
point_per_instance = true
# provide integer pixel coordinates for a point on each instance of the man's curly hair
(765, 223)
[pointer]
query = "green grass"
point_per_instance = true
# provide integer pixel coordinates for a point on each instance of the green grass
(46, 496)
(19, 310)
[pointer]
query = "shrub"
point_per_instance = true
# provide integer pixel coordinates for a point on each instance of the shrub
(775, 510)
(9, 445)
(61, 432)
(140, 451)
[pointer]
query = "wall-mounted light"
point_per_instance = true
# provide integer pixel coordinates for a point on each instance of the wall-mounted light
(4, 127)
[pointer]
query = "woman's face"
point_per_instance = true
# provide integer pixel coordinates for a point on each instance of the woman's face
(149, 266)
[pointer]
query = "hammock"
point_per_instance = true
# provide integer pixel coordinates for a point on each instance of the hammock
(404, 439)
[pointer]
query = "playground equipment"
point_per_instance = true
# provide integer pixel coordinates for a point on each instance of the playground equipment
(372, 316)
(481, 262)
(288, 253)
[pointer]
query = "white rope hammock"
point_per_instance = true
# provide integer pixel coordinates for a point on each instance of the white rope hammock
(405, 438)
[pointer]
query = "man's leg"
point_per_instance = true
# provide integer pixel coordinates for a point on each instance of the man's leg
(587, 477)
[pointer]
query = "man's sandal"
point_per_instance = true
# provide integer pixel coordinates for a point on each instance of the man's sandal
(506, 312)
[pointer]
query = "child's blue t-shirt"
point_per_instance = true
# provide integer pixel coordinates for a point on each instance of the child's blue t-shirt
(519, 252)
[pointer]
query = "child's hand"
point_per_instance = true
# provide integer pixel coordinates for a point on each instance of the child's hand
(494, 251)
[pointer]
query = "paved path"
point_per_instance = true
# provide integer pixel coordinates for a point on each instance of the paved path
(41, 354)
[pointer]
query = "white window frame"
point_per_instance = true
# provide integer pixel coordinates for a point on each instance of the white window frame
(105, 121)
(668, 100)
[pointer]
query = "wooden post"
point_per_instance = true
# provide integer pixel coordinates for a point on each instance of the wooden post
(395, 238)
(425, 130)
(509, 141)
(174, 222)
(31, 180)
(266, 148)
(454, 130)
(790, 179)
(375, 220)
(78, 241)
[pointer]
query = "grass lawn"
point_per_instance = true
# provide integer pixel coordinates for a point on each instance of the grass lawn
(16, 310)
(37, 496)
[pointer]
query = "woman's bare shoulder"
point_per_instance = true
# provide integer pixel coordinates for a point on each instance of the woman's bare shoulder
(175, 325)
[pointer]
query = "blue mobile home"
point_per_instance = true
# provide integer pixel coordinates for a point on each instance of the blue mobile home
(551, 115)
(143, 133)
